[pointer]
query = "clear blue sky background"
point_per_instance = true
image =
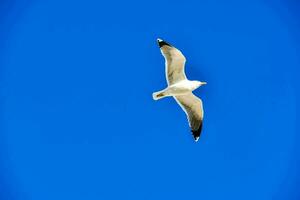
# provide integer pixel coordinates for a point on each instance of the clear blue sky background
(77, 116)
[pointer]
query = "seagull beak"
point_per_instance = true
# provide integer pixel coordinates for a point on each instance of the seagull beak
(203, 83)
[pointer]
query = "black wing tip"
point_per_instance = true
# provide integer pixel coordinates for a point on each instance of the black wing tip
(197, 133)
(162, 43)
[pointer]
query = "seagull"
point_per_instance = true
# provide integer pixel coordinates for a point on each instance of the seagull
(180, 87)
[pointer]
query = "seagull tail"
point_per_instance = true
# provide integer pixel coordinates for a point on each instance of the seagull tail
(158, 95)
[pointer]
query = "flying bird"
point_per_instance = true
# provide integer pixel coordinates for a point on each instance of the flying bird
(180, 87)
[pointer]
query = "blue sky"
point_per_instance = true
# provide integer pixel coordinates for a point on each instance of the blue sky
(77, 116)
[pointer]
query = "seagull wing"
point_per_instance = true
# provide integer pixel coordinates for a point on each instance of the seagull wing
(192, 106)
(175, 62)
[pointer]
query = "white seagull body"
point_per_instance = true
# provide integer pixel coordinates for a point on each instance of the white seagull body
(180, 87)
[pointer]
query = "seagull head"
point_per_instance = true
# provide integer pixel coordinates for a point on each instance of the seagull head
(199, 83)
(196, 84)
